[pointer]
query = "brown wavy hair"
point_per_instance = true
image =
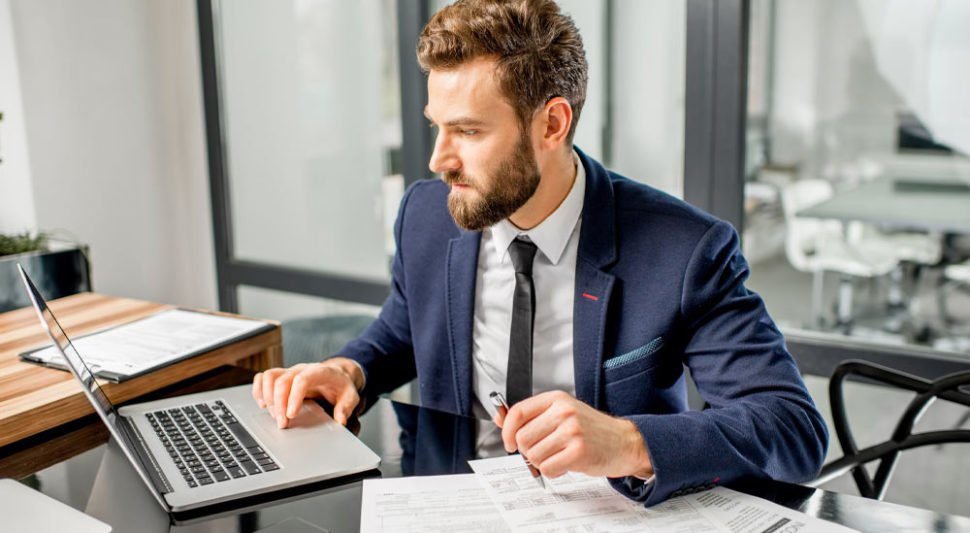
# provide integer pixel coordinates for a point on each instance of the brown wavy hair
(538, 50)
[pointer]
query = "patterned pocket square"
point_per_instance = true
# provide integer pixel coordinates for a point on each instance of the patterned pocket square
(634, 355)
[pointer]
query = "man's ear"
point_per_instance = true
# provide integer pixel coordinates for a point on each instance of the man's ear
(556, 117)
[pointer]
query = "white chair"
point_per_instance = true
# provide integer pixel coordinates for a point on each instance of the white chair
(955, 276)
(817, 246)
(911, 249)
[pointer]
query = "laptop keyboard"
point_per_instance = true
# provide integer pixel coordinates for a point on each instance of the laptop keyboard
(208, 444)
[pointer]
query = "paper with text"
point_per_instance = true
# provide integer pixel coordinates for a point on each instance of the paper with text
(432, 504)
(576, 502)
(151, 342)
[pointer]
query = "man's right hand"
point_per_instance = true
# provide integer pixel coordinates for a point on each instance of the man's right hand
(282, 390)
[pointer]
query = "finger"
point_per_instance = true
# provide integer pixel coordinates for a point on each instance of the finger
(550, 445)
(267, 387)
(258, 389)
(522, 412)
(298, 391)
(536, 430)
(345, 405)
(566, 460)
(500, 413)
(281, 391)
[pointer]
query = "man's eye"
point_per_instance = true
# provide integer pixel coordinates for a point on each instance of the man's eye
(469, 133)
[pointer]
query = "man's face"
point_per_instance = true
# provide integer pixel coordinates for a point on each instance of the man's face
(480, 151)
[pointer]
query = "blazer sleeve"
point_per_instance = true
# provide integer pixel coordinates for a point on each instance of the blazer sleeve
(384, 350)
(761, 421)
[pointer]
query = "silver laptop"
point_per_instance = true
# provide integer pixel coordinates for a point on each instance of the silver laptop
(212, 447)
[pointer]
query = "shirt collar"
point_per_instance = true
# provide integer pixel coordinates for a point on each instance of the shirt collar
(552, 234)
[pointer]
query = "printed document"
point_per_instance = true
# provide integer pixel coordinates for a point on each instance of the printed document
(576, 502)
(157, 340)
(429, 504)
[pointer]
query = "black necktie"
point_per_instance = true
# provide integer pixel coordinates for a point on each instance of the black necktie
(518, 380)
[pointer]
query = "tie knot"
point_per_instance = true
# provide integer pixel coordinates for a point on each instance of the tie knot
(522, 253)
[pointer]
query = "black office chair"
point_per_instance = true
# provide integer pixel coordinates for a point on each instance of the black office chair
(950, 387)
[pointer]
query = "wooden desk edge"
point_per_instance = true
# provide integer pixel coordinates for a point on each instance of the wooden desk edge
(255, 353)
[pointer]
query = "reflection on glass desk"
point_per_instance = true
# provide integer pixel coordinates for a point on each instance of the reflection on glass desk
(883, 203)
(412, 441)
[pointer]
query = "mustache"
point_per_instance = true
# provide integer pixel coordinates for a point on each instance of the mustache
(455, 178)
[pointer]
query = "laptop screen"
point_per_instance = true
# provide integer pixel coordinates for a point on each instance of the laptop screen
(97, 397)
(71, 356)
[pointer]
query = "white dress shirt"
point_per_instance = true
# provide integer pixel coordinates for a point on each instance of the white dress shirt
(554, 279)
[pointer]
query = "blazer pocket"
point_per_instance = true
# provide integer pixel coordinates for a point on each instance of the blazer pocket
(634, 360)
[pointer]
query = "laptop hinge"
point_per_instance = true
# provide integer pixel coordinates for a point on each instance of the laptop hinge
(154, 471)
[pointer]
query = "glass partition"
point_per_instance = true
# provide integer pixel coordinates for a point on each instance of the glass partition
(857, 197)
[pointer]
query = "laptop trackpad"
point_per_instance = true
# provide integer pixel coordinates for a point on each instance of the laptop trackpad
(311, 417)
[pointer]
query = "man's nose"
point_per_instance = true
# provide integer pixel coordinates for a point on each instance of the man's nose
(443, 159)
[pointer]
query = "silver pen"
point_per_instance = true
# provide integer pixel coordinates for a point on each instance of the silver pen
(503, 408)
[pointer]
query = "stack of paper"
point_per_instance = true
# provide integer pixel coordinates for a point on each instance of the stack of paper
(502, 495)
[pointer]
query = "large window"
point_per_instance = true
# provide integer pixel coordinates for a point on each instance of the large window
(314, 111)
(311, 115)
(858, 181)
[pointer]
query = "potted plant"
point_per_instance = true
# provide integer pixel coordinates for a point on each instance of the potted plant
(58, 268)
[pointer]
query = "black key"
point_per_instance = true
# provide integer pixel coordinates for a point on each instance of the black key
(198, 469)
(258, 455)
(250, 467)
(256, 449)
(270, 467)
(187, 477)
(220, 475)
(236, 472)
(265, 461)
(231, 464)
(193, 484)
(206, 481)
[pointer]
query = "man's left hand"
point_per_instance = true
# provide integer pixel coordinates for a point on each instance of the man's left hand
(558, 433)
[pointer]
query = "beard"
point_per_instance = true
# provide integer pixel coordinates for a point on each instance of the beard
(499, 195)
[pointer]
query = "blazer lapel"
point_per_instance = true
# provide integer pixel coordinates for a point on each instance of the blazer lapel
(594, 285)
(460, 308)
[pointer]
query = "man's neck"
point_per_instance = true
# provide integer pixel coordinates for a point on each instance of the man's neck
(554, 185)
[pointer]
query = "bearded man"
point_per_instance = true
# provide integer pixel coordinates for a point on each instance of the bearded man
(530, 270)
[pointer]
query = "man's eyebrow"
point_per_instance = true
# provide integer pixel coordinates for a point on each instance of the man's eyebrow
(460, 121)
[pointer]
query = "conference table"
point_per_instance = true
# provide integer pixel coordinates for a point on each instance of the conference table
(411, 441)
(889, 203)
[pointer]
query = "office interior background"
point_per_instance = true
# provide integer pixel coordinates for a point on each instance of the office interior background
(250, 156)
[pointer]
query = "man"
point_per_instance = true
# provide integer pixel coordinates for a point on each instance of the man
(530, 270)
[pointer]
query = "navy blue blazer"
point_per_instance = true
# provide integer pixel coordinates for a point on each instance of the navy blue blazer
(659, 287)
